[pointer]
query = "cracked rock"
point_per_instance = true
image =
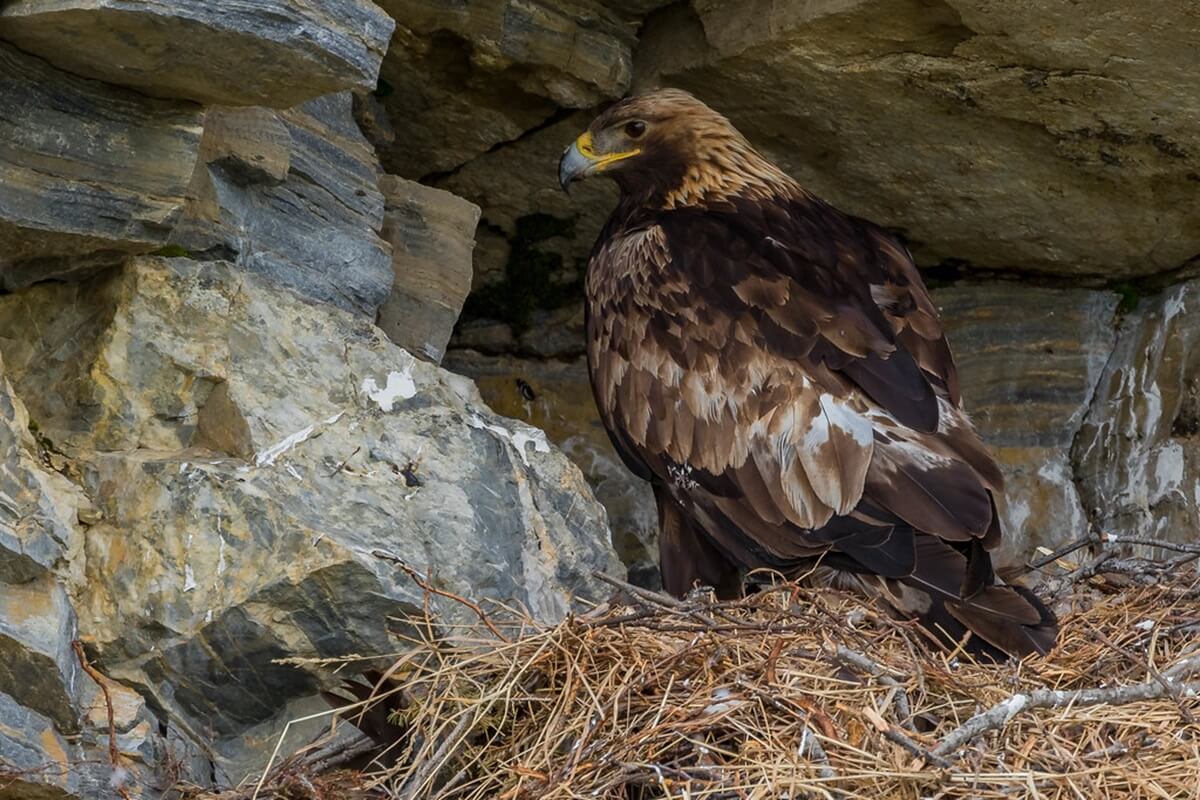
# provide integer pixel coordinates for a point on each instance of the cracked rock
(254, 52)
(292, 195)
(88, 173)
(337, 453)
(1138, 451)
(1011, 135)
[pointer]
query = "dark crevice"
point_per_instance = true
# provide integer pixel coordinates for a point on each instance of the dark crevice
(433, 178)
(952, 271)
(1187, 422)
(533, 277)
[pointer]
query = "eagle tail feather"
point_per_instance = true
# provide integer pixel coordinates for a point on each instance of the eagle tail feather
(952, 594)
(1010, 618)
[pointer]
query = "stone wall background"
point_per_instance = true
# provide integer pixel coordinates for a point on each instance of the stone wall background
(236, 240)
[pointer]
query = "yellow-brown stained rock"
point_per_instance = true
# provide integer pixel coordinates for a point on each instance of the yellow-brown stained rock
(432, 234)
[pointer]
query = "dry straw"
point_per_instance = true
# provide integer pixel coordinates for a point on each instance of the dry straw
(789, 693)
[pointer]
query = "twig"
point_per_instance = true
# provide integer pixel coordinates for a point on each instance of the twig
(1179, 547)
(909, 744)
(999, 715)
(1172, 691)
(856, 659)
(424, 584)
(657, 598)
(1061, 552)
(114, 754)
(342, 465)
(1089, 569)
(810, 747)
(337, 753)
(416, 782)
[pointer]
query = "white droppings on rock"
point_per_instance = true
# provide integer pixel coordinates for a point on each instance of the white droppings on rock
(1168, 470)
(189, 577)
(518, 440)
(1153, 411)
(1173, 306)
(399, 386)
(265, 458)
(1018, 513)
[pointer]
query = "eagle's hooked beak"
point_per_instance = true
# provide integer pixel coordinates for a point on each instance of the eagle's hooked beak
(581, 160)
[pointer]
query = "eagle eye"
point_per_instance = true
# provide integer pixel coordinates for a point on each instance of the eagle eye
(635, 129)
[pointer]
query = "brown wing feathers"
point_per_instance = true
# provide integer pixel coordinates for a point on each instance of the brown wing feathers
(778, 371)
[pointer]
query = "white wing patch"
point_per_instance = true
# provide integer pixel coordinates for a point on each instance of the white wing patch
(835, 451)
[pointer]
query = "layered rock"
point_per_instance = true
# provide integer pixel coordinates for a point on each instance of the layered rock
(462, 78)
(256, 52)
(39, 508)
(1030, 360)
(88, 172)
(37, 626)
(54, 731)
(270, 462)
(37, 755)
(1137, 454)
(432, 234)
(518, 183)
(292, 195)
(1032, 137)
(40, 763)
(555, 396)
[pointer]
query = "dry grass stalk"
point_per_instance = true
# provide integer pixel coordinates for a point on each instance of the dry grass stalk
(792, 693)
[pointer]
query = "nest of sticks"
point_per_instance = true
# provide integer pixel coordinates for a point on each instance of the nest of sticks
(791, 692)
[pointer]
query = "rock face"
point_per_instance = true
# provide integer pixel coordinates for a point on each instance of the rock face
(212, 462)
(88, 172)
(268, 461)
(39, 507)
(1138, 451)
(37, 626)
(1030, 360)
(432, 234)
(461, 78)
(1013, 136)
(292, 195)
(1066, 137)
(256, 52)
(530, 224)
(53, 718)
(555, 396)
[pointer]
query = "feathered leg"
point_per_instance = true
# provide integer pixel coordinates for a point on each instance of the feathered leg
(686, 555)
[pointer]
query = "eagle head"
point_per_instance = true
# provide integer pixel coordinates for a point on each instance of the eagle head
(668, 146)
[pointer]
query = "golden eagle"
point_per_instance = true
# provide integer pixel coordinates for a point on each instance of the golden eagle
(776, 370)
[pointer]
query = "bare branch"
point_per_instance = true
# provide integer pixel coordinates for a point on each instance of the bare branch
(431, 589)
(999, 715)
(114, 755)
